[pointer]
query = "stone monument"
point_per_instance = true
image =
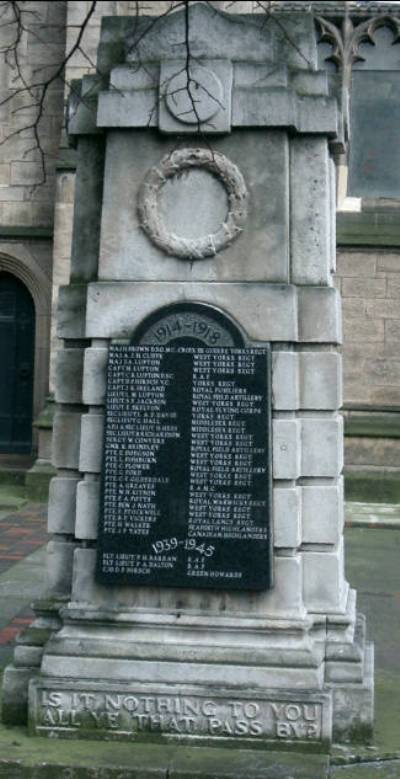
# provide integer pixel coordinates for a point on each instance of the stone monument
(196, 587)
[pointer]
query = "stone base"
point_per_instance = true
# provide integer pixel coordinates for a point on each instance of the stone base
(28, 655)
(196, 714)
(267, 686)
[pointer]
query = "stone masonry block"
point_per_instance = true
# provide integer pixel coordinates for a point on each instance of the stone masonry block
(285, 392)
(285, 599)
(62, 503)
(127, 253)
(332, 209)
(91, 447)
(66, 439)
(88, 208)
(287, 517)
(363, 287)
(94, 376)
(59, 567)
(15, 695)
(323, 580)
(357, 263)
(84, 588)
(286, 449)
(321, 447)
(320, 380)
(319, 315)
(322, 514)
(87, 509)
(69, 368)
(310, 215)
(26, 173)
(71, 311)
(267, 312)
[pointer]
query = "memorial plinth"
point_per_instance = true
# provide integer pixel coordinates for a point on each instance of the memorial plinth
(196, 587)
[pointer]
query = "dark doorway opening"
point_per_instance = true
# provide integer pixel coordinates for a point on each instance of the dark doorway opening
(17, 338)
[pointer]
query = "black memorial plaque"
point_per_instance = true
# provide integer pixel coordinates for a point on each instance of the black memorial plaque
(186, 475)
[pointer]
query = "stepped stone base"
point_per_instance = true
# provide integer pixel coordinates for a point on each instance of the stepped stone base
(289, 691)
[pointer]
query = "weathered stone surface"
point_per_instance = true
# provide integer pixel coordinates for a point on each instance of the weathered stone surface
(197, 712)
(324, 586)
(71, 311)
(69, 369)
(319, 315)
(94, 376)
(216, 33)
(321, 447)
(322, 514)
(62, 503)
(15, 694)
(212, 112)
(320, 380)
(91, 445)
(310, 212)
(266, 312)
(87, 209)
(354, 703)
(87, 509)
(66, 439)
(285, 381)
(287, 517)
(27, 656)
(286, 449)
(59, 567)
(284, 600)
(127, 253)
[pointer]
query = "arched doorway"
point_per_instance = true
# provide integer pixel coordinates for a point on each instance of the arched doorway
(17, 335)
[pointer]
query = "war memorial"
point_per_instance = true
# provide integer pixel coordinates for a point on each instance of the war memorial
(195, 583)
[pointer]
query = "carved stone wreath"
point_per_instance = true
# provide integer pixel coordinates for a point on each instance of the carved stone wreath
(173, 164)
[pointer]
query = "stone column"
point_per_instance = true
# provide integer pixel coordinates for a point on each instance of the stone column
(208, 182)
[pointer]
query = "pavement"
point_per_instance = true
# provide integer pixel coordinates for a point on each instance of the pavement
(372, 540)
